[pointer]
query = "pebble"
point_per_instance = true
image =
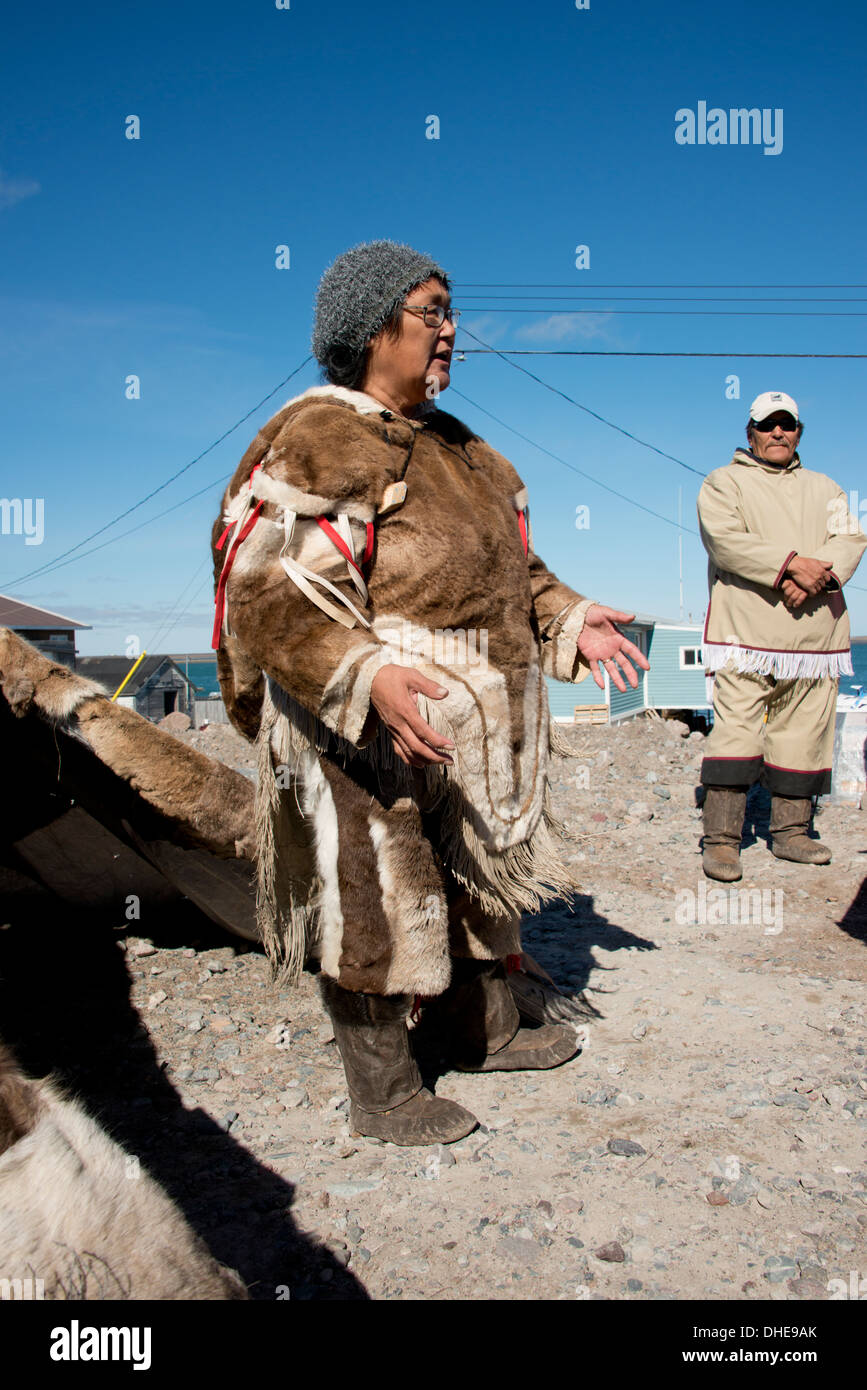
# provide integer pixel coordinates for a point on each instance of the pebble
(778, 1268)
(613, 1252)
(158, 998)
(627, 1147)
(353, 1189)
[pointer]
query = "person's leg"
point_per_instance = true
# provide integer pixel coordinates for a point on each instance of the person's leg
(477, 1018)
(799, 748)
(384, 940)
(732, 762)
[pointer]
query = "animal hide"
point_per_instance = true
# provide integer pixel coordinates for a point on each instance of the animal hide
(445, 587)
(77, 1212)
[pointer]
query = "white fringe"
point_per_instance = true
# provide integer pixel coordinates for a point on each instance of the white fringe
(782, 665)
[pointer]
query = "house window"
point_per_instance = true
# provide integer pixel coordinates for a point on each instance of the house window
(690, 658)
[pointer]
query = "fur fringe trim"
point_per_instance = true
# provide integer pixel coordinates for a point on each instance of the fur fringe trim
(782, 665)
(521, 878)
(287, 883)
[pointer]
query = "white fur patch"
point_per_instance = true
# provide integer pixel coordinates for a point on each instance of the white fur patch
(318, 803)
(418, 920)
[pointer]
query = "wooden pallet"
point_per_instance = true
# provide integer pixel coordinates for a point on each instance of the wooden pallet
(591, 714)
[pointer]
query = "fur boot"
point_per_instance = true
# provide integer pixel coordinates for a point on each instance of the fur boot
(480, 1024)
(723, 818)
(387, 1099)
(790, 822)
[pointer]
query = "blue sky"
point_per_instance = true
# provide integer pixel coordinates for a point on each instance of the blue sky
(307, 127)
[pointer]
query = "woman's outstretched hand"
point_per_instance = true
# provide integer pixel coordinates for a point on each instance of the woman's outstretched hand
(394, 695)
(602, 644)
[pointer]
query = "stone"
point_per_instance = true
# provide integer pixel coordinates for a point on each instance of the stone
(353, 1189)
(626, 1147)
(779, 1268)
(613, 1252)
(175, 723)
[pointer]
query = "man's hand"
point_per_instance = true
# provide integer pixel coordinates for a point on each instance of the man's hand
(394, 695)
(601, 643)
(809, 575)
(793, 594)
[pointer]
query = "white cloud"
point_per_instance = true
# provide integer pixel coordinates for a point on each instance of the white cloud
(16, 190)
(558, 327)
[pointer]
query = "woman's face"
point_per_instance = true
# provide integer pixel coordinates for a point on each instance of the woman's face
(415, 366)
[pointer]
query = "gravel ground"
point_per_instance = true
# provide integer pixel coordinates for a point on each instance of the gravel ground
(708, 1143)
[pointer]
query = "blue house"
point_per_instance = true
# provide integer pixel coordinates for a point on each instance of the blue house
(675, 680)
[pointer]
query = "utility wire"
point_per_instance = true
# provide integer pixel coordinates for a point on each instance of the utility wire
(163, 631)
(573, 467)
(687, 313)
(667, 298)
(557, 392)
(61, 564)
(566, 464)
(51, 564)
(609, 352)
(509, 285)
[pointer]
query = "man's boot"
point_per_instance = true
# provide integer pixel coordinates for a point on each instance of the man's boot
(479, 1020)
(790, 821)
(387, 1098)
(723, 818)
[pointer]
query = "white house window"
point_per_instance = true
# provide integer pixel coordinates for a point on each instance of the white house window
(690, 658)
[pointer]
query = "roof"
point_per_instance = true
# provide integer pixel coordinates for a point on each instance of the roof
(652, 620)
(15, 614)
(111, 670)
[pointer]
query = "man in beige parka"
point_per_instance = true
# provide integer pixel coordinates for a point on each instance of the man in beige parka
(781, 544)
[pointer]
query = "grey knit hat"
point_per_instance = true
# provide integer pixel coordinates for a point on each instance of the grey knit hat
(357, 295)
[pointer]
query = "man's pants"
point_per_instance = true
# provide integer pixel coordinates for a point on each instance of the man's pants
(790, 752)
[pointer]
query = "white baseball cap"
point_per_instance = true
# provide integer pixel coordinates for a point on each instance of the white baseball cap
(769, 402)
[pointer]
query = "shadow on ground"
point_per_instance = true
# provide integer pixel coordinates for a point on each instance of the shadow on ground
(65, 1009)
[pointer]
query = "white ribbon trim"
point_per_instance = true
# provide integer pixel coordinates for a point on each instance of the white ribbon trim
(304, 579)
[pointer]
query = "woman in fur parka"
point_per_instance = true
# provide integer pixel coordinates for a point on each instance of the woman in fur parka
(383, 629)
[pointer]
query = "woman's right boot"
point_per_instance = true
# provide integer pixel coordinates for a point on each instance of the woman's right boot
(723, 817)
(388, 1100)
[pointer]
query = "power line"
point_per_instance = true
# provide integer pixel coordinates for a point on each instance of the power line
(51, 564)
(61, 563)
(163, 630)
(667, 298)
(573, 467)
(610, 352)
(510, 285)
(687, 313)
(596, 416)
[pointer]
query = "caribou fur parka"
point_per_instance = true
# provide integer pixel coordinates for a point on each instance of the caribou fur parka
(351, 538)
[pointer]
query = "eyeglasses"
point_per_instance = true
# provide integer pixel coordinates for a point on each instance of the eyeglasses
(433, 314)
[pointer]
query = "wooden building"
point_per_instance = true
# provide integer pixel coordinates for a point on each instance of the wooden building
(51, 633)
(157, 688)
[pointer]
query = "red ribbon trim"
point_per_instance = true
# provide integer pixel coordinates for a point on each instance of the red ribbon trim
(338, 541)
(220, 597)
(522, 527)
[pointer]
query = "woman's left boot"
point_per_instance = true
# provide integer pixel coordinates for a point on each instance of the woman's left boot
(480, 1023)
(790, 821)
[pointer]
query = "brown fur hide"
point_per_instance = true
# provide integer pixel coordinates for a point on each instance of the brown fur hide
(448, 559)
(209, 805)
